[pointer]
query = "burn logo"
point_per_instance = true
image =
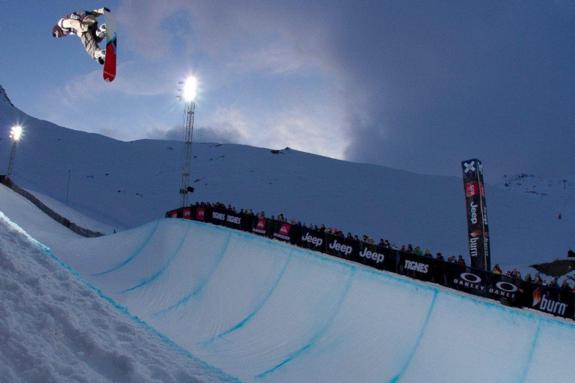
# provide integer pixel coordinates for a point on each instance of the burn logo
(543, 303)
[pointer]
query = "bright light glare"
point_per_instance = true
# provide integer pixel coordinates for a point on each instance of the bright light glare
(16, 133)
(190, 90)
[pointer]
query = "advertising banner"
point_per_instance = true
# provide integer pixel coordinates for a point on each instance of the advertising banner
(466, 279)
(200, 213)
(504, 288)
(187, 213)
(283, 231)
(341, 247)
(553, 301)
(234, 221)
(312, 239)
(261, 226)
(376, 257)
(478, 230)
(218, 216)
(416, 266)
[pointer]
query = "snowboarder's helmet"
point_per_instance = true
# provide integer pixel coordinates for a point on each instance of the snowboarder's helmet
(57, 31)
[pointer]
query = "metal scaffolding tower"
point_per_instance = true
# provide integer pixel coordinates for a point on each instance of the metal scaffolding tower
(185, 187)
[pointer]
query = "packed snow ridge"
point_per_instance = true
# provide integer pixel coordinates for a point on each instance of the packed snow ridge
(55, 328)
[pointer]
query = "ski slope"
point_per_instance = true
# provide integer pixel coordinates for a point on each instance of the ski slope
(264, 311)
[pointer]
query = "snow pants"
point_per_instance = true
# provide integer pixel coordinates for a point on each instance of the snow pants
(90, 42)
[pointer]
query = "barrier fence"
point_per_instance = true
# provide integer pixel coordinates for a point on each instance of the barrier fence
(509, 291)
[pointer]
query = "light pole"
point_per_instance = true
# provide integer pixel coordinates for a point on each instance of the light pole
(188, 95)
(15, 135)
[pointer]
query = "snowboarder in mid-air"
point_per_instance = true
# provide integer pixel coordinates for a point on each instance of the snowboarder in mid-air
(84, 25)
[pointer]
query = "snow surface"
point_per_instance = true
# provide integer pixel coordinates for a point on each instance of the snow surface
(265, 311)
(126, 184)
(55, 328)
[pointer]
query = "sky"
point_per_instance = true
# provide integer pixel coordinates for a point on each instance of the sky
(414, 85)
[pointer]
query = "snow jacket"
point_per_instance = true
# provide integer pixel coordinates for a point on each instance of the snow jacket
(78, 23)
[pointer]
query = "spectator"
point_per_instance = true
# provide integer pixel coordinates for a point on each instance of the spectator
(538, 280)
(460, 260)
(439, 257)
(497, 269)
(554, 283)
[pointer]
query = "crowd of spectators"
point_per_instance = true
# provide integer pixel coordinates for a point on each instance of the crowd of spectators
(408, 249)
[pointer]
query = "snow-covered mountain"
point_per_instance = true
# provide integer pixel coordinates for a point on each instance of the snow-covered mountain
(124, 184)
(556, 193)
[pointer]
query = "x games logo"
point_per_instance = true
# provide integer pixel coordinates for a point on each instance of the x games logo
(471, 167)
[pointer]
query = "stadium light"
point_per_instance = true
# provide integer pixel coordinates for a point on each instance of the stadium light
(188, 94)
(190, 90)
(15, 135)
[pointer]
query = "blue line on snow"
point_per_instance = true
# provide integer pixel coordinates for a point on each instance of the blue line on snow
(134, 254)
(151, 278)
(531, 352)
(318, 334)
(197, 290)
(243, 322)
(418, 341)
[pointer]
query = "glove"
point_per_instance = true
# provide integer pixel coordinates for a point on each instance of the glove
(101, 11)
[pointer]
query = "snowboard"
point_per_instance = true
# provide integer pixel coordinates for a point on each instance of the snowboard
(111, 46)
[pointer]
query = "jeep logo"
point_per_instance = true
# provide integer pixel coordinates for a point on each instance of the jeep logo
(368, 254)
(340, 248)
(317, 242)
(473, 215)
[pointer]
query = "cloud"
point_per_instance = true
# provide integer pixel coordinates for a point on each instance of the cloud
(220, 134)
(406, 84)
(142, 22)
(224, 126)
(440, 83)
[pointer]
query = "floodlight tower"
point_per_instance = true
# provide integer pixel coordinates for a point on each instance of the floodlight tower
(189, 92)
(15, 135)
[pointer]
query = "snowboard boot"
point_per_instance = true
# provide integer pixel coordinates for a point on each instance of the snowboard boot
(100, 56)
